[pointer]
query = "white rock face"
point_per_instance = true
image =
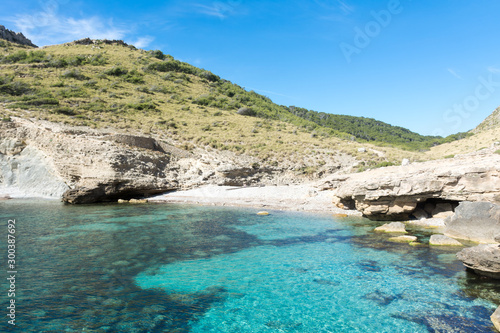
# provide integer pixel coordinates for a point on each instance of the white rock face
(29, 174)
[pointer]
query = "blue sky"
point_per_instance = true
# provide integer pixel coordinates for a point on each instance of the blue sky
(430, 66)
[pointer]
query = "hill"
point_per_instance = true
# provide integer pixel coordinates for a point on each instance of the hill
(109, 84)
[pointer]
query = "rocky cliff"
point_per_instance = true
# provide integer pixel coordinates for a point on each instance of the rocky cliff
(15, 37)
(420, 189)
(84, 165)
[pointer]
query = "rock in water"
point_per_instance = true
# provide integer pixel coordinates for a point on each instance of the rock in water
(442, 240)
(392, 227)
(403, 239)
(495, 318)
(483, 259)
(475, 221)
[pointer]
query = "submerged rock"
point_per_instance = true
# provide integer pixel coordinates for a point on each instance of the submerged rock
(483, 259)
(442, 240)
(495, 318)
(403, 239)
(396, 227)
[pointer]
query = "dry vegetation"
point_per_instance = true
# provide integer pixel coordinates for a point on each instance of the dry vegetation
(112, 86)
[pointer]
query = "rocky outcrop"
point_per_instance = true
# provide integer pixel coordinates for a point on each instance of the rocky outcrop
(475, 221)
(483, 259)
(395, 193)
(14, 37)
(82, 165)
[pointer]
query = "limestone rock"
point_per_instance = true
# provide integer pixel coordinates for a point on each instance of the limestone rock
(15, 37)
(396, 192)
(395, 227)
(138, 201)
(475, 221)
(495, 318)
(428, 223)
(483, 259)
(403, 239)
(442, 240)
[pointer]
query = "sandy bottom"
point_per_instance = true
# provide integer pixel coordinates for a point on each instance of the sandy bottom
(293, 197)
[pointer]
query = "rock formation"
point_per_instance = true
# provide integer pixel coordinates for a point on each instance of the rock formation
(442, 240)
(423, 189)
(15, 37)
(474, 221)
(483, 259)
(84, 166)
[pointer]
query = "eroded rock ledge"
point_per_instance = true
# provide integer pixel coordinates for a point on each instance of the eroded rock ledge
(396, 193)
(83, 165)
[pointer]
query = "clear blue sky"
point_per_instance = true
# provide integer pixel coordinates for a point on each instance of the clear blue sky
(430, 66)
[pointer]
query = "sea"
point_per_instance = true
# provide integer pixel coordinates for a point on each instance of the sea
(187, 268)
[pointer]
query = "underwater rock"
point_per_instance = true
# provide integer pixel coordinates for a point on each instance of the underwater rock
(483, 259)
(403, 239)
(392, 227)
(442, 240)
(495, 318)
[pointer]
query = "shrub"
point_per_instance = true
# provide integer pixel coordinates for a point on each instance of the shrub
(64, 110)
(246, 111)
(15, 88)
(15, 57)
(134, 77)
(157, 54)
(497, 152)
(74, 74)
(209, 76)
(116, 71)
(142, 106)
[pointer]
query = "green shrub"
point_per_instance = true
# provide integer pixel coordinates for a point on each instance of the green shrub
(157, 54)
(142, 106)
(134, 77)
(15, 88)
(64, 110)
(246, 111)
(116, 71)
(74, 74)
(209, 76)
(497, 152)
(449, 156)
(15, 57)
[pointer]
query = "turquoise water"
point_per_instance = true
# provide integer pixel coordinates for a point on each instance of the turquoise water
(172, 268)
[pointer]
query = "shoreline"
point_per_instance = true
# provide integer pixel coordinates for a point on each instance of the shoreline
(306, 198)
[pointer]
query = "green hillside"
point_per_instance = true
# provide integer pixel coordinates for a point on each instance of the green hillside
(111, 84)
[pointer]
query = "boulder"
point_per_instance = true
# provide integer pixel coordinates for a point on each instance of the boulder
(483, 259)
(403, 239)
(442, 240)
(495, 318)
(396, 227)
(475, 221)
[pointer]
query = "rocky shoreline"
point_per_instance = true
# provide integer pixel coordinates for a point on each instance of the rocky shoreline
(458, 198)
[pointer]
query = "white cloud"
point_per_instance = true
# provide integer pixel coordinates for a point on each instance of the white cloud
(217, 9)
(47, 27)
(142, 42)
(494, 70)
(455, 74)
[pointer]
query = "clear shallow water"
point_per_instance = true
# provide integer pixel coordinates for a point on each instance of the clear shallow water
(164, 268)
